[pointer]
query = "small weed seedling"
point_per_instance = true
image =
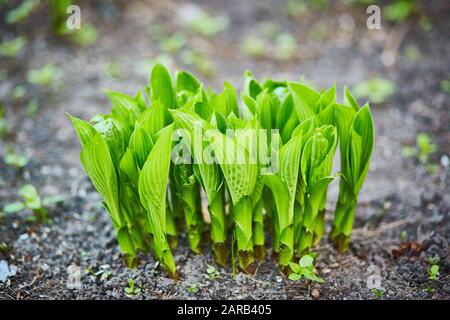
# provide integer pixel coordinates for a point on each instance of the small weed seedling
(304, 268)
(211, 272)
(445, 85)
(193, 288)
(433, 273)
(15, 159)
(422, 151)
(13, 47)
(377, 90)
(22, 11)
(379, 293)
(44, 76)
(404, 235)
(31, 200)
(132, 289)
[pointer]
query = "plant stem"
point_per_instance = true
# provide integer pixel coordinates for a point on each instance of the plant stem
(343, 223)
(258, 231)
(171, 230)
(298, 219)
(126, 246)
(219, 228)
(306, 234)
(319, 228)
(189, 195)
(242, 212)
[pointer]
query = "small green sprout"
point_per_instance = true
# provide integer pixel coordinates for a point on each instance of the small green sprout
(199, 62)
(85, 36)
(4, 128)
(269, 29)
(44, 76)
(430, 289)
(425, 23)
(32, 108)
(433, 273)
(113, 70)
(423, 149)
(286, 46)
(211, 272)
(377, 90)
(15, 159)
(13, 207)
(193, 288)
(13, 47)
(203, 23)
(18, 93)
(254, 47)
(31, 200)
(379, 293)
(318, 31)
(22, 11)
(445, 85)
(434, 260)
(399, 11)
(132, 289)
(304, 268)
(404, 235)
(412, 53)
(173, 44)
(295, 8)
(4, 247)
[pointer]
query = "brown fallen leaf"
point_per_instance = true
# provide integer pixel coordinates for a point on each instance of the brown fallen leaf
(409, 249)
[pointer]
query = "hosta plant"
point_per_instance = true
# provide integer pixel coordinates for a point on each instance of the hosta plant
(226, 168)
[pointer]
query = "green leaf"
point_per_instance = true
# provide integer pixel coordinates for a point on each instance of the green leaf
(57, 198)
(22, 11)
(240, 177)
(85, 131)
(295, 267)
(124, 102)
(141, 143)
(305, 99)
(16, 160)
(295, 277)
(312, 276)
(152, 187)
(153, 119)
(98, 164)
(349, 100)
(114, 138)
(187, 82)
(306, 261)
(13, 207)
(161, 86)
(251, 87)
(30, 196)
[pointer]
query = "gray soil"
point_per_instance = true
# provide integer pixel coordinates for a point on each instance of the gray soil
(404, 212)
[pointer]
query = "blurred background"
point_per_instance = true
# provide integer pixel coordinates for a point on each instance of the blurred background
(403, 69)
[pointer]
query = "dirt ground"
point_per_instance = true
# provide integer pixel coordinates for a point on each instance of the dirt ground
(403, 217)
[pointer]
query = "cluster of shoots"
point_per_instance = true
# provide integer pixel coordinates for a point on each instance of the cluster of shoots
(179, 158)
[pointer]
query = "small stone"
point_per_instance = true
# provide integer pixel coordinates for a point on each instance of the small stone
(44, 267)
(315, 293)
(74, 278)
(6, 271)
